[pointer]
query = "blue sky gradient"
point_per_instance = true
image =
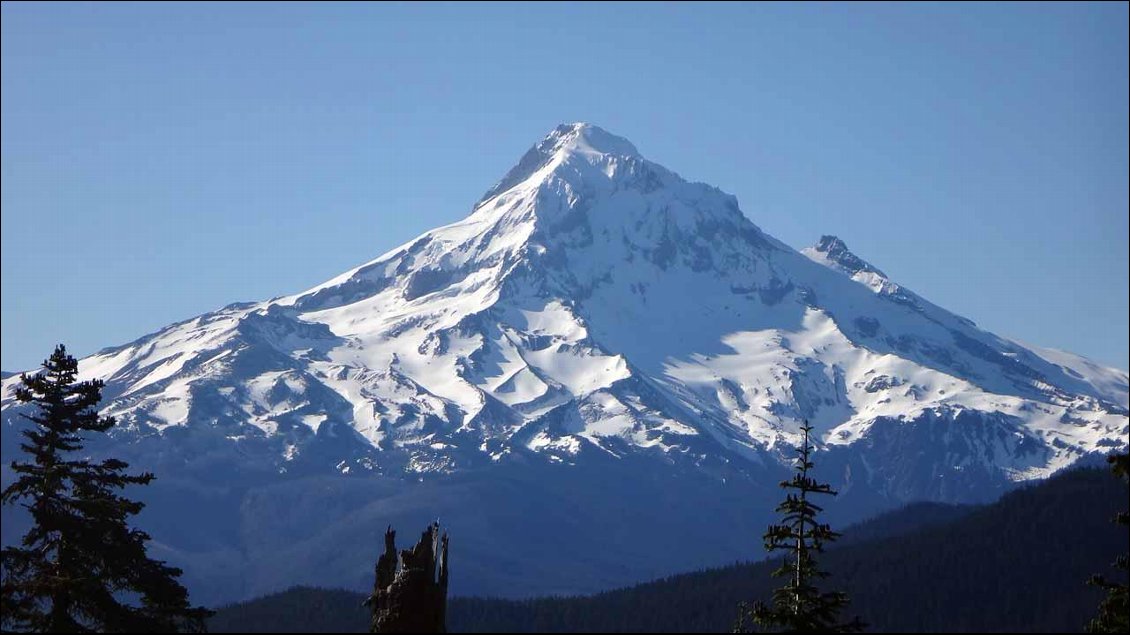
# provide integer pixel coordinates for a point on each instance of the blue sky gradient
(160, 161)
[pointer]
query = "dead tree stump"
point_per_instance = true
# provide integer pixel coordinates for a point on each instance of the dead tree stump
(408, 596)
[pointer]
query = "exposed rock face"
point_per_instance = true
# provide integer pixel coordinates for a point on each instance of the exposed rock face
(408, 596)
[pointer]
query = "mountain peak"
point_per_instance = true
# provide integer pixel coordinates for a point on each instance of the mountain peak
(589, 139)
(599, 307)
(591, 143)
(835, 252)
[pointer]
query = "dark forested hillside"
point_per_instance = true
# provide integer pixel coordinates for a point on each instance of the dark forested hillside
(297, 610)
(1017, 565)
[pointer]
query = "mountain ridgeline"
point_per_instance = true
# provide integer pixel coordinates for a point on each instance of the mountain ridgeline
(1017, 565)
(599, 347)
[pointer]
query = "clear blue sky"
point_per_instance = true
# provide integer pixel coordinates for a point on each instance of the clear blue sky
(160, 161)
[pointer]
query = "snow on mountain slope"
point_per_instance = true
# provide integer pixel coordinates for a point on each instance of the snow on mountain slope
(1108, 382)
(596, 307)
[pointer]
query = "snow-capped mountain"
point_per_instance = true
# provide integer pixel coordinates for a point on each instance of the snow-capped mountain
(601, 349)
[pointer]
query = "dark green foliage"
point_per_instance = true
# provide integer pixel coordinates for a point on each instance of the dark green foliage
(1114, 612)
(800, 606)
(904, 520)
(1013, 566)
(80, 560)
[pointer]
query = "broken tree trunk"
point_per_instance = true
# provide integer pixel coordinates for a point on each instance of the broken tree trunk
(408, 596)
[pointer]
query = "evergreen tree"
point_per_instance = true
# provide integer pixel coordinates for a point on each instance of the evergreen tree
(799, 606)
(1114, 612)
(80, 567)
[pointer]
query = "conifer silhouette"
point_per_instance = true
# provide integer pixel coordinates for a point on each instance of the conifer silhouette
(799, 606)
(80, 567)
(1114, 612)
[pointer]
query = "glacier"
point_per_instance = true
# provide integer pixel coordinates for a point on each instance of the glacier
(594, 378)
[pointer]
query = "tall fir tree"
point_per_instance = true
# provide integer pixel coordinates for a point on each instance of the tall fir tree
(80, 567)
(799, 606)
(1114, 612)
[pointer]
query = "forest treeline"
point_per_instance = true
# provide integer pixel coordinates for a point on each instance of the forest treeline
(1020, 564)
